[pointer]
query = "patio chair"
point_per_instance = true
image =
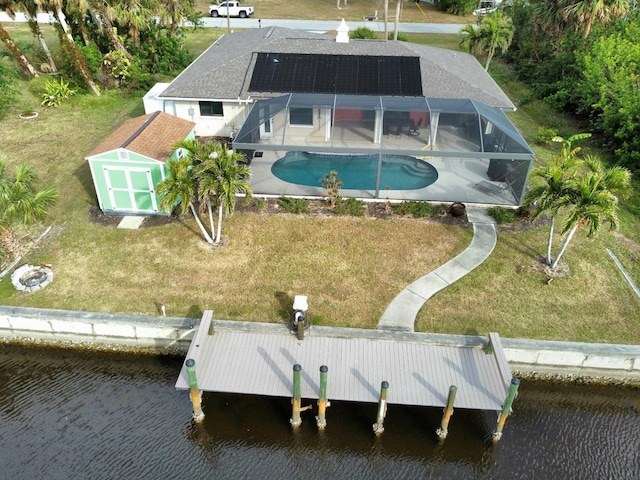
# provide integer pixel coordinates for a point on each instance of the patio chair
(415, 127)
(406, 129)
(394, 130)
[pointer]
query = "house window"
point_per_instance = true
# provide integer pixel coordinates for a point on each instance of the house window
(211, 109)
(301, 116)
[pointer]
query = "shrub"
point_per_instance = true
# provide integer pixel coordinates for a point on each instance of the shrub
(116, 65)
(259, 203)
(350, 206)
(7, 87)
(294, 205)
(545, 135)
(415, 208)
(502, 215)
(332, 185)
(363, 33)
(402, 37)
(456, 7)
(55, 92)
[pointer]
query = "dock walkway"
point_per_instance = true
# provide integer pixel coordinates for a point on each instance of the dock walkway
(258, 358)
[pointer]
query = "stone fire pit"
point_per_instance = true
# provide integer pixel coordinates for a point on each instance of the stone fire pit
(29, 278)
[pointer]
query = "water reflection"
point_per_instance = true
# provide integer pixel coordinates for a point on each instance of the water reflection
(93, 415)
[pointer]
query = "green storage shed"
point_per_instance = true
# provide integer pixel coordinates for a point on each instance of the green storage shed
(129, 163)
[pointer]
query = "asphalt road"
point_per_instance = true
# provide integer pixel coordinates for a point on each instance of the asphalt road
(329, 25)
(310, 25)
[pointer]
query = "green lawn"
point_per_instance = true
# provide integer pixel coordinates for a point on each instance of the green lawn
(349, 267)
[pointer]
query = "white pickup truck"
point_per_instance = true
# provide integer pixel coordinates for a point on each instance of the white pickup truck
(231, 9)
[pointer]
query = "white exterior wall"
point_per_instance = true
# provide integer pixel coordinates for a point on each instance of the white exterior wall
(234, 116)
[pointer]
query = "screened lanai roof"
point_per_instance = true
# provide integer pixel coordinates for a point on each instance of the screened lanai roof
(439, 115)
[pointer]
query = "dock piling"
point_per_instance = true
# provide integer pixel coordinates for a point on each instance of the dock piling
(322, 401)
(448, 411)
(378, 427)
(506, 409)
(296, 401)
(196, 394)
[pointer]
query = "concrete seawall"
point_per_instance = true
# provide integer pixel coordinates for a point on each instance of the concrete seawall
(562, 360)
(95, 330)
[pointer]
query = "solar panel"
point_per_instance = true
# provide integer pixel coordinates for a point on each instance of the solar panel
(337, 74)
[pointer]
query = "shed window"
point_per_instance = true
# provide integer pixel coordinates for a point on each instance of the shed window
(211, 109)
(301, 116)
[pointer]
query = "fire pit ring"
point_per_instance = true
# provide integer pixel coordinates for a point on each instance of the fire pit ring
(29, 278)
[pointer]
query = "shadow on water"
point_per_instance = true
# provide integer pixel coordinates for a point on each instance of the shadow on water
(409, 431)
(125, 416)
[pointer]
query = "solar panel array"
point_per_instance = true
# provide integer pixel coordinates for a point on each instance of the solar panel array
(337, 74)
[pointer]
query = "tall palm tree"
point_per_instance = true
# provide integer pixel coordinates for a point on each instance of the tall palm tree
(592, 200)
(547, 197)
(179, 189)
(9, 7)
(105, 23)
(30, 9)
(493, 34)
(584, 13)
(227, 175)
(136, 15)
(21, 203)
(172, 13)
(78, 59)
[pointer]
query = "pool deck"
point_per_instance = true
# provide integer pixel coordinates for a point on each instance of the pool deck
(458, 179)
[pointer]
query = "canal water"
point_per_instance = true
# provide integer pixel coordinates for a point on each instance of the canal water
(84, 415)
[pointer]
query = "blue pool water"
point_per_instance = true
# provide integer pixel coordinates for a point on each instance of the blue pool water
(357, 172)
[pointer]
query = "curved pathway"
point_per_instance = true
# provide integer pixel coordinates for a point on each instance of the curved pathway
(401, 313)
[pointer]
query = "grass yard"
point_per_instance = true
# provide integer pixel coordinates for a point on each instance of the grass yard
(349, 267)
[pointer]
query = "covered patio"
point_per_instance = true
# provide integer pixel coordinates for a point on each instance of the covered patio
(479, 155)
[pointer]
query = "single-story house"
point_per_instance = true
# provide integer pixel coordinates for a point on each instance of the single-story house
(128, 164)
(396, 120)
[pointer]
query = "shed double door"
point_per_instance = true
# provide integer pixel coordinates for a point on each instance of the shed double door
(131, 189)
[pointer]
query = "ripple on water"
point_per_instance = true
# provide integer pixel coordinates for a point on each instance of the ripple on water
(97, 415)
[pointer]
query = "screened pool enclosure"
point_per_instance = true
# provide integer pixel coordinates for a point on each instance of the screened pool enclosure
(478, 154)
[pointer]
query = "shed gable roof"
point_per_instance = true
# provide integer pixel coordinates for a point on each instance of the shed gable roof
(152, 135)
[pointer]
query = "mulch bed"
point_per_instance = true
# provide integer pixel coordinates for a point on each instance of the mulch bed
(317, 208)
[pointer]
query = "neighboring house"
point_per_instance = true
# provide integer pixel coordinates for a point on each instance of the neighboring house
(129, 163)
(276, 92)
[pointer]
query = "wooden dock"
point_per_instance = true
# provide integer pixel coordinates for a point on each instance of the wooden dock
(258, 358)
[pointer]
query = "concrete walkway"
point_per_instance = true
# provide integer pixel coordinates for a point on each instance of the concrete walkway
(401, 313)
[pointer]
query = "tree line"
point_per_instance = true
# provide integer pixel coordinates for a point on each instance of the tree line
(105, 43)
(580, 56)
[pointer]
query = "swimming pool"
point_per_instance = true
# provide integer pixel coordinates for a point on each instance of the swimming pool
(357, 172)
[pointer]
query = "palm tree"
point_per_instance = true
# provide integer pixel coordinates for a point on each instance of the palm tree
(136, 15)
(21, 203)
(172, 13)
(548, 196)
(494, 33)
(30, 9)
(179, 188)
(584, 13)
(78, 59)
(9, 7)
(198, 152)
(593, 200)
(226, 175)
(105, 23)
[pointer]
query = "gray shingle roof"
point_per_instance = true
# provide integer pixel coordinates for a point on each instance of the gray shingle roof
(224, 70)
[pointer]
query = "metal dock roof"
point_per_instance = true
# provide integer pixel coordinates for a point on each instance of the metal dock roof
(258, 358)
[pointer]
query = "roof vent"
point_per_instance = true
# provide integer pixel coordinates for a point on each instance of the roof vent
(343, 32)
